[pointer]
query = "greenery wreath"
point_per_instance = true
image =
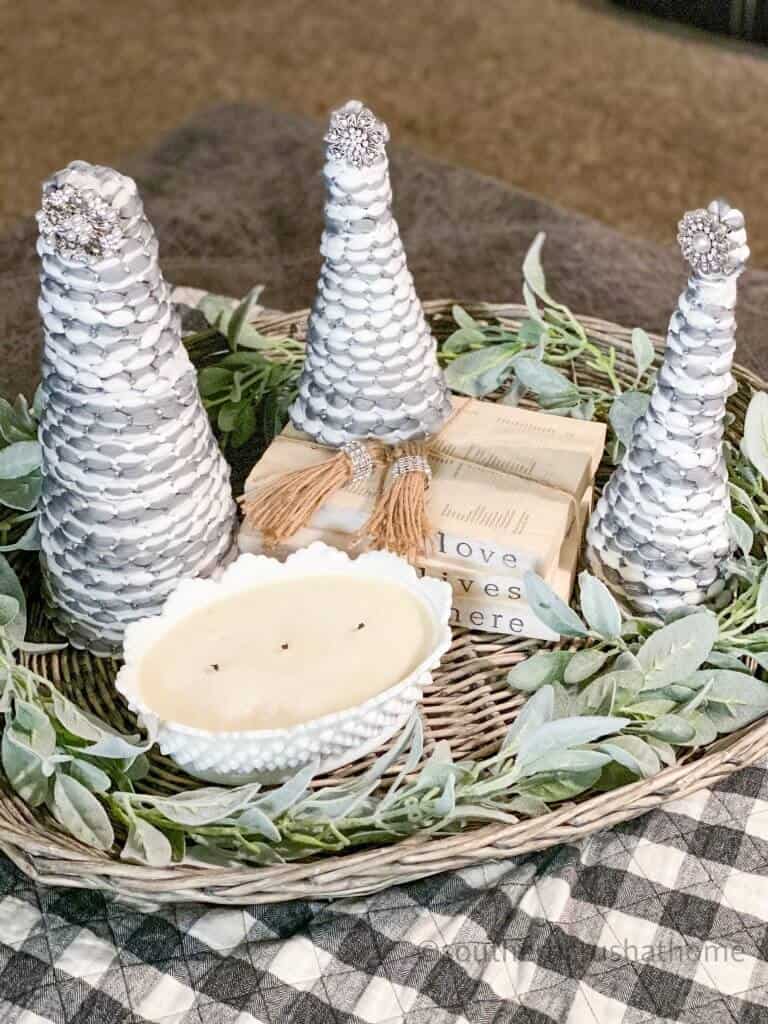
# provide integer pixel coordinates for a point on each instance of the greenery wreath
(626, 697)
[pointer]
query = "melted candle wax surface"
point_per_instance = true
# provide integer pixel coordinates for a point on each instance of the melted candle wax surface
(285, 652)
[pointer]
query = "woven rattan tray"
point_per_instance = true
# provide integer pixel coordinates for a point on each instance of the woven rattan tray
(468, 705)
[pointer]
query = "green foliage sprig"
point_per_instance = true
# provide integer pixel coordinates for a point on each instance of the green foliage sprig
(248, 384)
(20, 478)
(598, 717)
(58, 756)
(482, 357)
(679, 684)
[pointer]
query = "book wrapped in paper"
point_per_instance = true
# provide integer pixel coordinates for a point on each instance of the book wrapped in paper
(510, 491)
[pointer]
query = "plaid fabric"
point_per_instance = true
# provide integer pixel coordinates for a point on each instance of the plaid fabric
(661, 919)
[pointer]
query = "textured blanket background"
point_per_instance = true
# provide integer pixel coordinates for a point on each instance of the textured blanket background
(627, 119)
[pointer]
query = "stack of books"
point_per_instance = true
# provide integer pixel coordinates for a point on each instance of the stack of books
(511, 491)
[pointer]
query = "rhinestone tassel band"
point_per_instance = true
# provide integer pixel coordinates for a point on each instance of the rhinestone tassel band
(360, 459)
(405, 464)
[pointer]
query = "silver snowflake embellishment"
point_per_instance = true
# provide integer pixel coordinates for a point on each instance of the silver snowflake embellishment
(79, 224)
(704, 240)
(356, 136)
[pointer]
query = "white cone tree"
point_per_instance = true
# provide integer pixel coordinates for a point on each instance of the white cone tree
(371, 368)
(135, 493)
(659, 534)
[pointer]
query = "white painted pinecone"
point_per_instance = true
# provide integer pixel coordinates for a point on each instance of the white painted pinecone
(135, 492)
(371, 367)
(659, 534)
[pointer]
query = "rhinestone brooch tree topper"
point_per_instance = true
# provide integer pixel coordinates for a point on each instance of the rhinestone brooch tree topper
(79, 224)
(356, 136)
(703, 238)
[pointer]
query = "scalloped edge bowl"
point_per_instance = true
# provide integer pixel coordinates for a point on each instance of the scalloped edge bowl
(331, 741)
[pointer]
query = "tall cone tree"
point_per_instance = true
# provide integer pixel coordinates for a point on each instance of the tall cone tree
(371, 368)
(659, 535)
(135, 493)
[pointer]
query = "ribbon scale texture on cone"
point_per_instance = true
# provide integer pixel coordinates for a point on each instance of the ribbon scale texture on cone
(135, 493)
(659, 534)
(371, 368)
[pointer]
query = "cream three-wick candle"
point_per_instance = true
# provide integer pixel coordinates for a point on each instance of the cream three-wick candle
(286, 652)
(276, 665)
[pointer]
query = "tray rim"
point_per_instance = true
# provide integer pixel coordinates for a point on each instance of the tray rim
(33, 842)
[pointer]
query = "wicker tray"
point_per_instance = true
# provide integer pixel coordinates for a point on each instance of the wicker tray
(468, 705)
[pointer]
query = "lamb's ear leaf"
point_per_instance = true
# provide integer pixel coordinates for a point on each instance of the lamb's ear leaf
(600, 609)
(677, 650)
(238, 321)
(626, 409)
(741, 533)
(23, 493)
(550, 608)
(482, 370)
(545, 381)
(537, 710)
(533, 274)
(146, 844)
(761, 613)
(643, 351)
(9, 609)
(78, 811)
(734, 699)
(633, 753)
(540, 669)
(463, 319)
(90, 775)
(215, 308)
(16, 628)
(585, 664)
(563, 733)
(23, 768)
(20, 459)
(671, 728)
(754, 443)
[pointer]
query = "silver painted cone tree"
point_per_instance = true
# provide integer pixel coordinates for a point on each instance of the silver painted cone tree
(135, 493)
(659, 535)
(371, 368)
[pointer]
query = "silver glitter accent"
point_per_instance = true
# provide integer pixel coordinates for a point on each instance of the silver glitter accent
(79, 224)
(356, 136)
(659, 534)
(371, 368)
(362, 463)
(406, 464)
(135, 492)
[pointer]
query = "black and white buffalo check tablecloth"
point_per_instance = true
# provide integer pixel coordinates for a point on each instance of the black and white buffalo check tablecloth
(661, 919)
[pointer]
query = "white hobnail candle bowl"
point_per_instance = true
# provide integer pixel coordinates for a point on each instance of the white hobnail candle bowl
(330, 741)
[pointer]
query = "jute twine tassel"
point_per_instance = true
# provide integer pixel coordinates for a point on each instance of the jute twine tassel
(399, 520)
(281, 508)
